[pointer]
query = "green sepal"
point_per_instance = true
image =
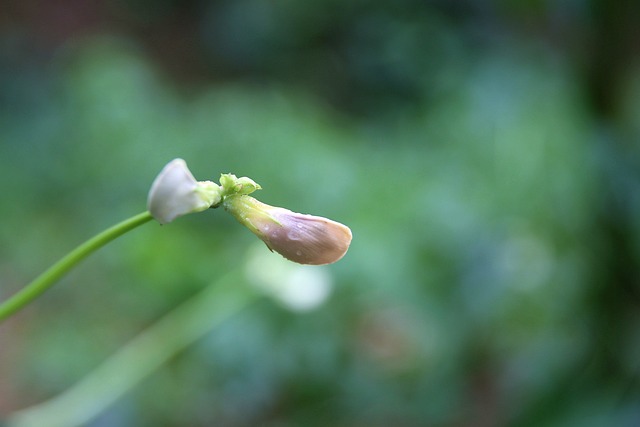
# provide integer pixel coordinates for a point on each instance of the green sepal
(232, 185)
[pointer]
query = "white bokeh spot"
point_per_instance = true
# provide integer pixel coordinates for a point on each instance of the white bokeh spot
(297, 287)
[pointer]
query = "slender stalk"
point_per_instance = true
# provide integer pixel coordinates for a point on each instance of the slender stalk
(139, 358)
(60, 268)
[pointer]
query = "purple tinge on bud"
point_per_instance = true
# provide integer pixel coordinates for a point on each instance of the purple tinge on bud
(305, 239)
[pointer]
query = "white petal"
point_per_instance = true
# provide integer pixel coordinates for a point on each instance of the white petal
(175, 192)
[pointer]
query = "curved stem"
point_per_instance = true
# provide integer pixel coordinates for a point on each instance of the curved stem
(144, 354)
(60, 268)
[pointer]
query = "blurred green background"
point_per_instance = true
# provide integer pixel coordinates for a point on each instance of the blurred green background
(484, 153)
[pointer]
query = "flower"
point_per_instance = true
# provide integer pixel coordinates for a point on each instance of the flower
(175, 192)
(305, 239)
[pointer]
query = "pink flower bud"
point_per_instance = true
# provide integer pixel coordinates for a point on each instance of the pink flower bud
(305, 239)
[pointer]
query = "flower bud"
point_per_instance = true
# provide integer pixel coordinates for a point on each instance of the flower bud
(305, 239)
(175, 192)
(231, 184)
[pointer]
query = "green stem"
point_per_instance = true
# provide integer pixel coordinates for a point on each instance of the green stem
(144, 354)
(60, 268)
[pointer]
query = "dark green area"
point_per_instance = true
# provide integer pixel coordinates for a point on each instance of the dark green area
(485, 155)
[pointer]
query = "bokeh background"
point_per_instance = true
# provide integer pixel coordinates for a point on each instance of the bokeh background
(485, 154)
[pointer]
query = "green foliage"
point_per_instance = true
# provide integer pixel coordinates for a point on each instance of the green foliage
(479, 282)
